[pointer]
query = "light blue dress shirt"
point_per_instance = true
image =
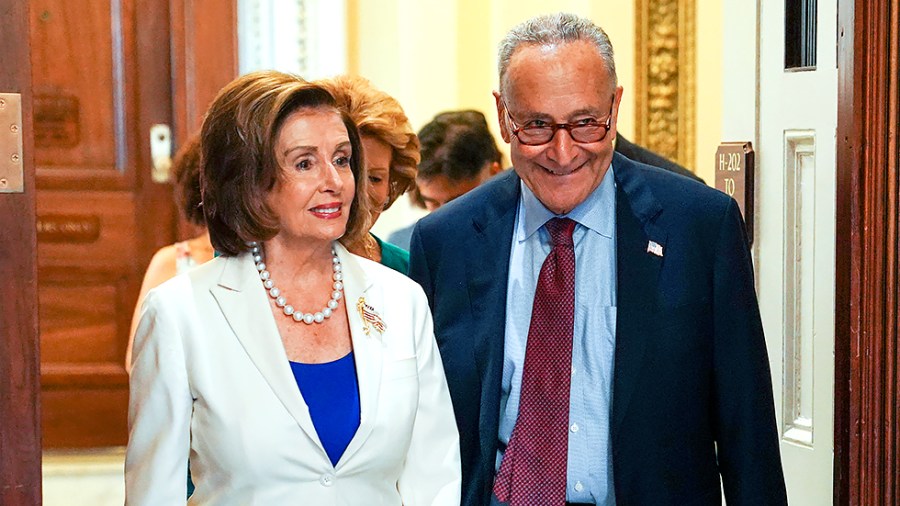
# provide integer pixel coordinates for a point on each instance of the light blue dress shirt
(589, 472)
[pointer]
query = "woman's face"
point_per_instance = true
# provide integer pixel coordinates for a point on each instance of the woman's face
(314, 191)
(378, 165)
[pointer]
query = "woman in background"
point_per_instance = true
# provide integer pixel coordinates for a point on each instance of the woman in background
(392, 154)
(181, 256)
(289, 370)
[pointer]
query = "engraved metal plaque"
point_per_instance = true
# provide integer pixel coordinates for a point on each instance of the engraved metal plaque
(56, 121)
(734, 176)
(12, 174)
(69, 229)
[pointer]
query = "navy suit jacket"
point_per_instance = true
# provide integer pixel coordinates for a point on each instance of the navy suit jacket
(691, 370)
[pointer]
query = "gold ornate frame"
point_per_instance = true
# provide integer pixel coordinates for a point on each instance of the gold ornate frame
(665, 74)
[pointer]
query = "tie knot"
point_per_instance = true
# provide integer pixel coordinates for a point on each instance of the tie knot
(560, 230)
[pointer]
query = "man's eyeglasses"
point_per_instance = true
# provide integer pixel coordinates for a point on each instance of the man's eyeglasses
(584, 131)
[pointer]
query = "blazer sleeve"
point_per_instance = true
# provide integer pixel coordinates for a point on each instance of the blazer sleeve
(431, 474)
(747, 438)
(159, 410)
(418, 264)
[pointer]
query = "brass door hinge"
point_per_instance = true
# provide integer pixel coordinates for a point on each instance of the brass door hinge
(11, 157)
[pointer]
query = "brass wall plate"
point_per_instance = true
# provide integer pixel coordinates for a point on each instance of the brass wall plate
(12, 175)
(734, 176)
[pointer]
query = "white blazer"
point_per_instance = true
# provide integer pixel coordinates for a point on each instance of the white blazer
(210, 381)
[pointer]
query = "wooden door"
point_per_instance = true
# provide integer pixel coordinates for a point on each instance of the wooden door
(785, 100)
(103, 76)
(795, 255)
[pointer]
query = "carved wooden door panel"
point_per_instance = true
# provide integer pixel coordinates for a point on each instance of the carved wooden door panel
(101, 72)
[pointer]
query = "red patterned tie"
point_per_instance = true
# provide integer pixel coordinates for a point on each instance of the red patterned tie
(533, 470)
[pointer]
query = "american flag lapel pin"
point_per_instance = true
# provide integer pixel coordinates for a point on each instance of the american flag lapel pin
(370, 317)
(655, 248)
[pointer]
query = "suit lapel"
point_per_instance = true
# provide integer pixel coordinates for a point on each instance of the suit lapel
(245, 305)
(487, 284)
(367, 348)
(637, 280)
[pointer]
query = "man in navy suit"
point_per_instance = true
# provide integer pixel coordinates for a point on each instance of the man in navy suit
(669, 399)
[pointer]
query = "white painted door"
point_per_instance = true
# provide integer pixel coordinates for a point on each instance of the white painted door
(791, 116)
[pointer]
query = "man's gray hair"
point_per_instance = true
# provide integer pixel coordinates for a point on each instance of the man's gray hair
(558, 28)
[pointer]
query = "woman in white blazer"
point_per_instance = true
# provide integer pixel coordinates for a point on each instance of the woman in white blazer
(288, 370)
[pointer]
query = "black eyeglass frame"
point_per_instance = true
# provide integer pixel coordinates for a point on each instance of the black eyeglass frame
(554, 127)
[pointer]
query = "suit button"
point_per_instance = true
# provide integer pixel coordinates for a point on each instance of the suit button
(326, 480)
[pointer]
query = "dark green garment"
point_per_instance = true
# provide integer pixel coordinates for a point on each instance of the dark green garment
(393, 256)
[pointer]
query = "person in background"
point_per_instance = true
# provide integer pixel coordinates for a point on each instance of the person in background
(391, 155)
(458, 154)
(181, 256)
(288, 369)
(643, 155)
(597, 317)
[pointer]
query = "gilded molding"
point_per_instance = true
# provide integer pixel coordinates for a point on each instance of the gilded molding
(665, 78)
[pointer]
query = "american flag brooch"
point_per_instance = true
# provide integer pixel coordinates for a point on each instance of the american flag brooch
(370, 318)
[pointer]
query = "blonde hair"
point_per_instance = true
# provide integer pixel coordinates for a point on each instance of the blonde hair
(380, 116)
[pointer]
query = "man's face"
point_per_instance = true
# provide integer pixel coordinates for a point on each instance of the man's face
(565, 83)
(440, 189)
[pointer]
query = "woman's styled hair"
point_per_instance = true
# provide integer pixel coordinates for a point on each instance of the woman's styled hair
(239, 167)
(380, 116)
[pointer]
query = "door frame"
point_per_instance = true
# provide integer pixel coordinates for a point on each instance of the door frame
(867, 340)
(20, 432)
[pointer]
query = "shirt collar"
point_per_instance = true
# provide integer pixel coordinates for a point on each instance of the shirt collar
(596, 213)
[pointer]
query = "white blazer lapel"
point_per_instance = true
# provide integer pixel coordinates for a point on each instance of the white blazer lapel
(367, 347)
(245, 305)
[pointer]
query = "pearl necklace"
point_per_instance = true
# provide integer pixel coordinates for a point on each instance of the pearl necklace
(281, 301)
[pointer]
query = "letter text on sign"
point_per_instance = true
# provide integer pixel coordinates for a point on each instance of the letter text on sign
(734, 177)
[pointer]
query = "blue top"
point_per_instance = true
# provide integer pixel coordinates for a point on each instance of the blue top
(589, 471)
(332, 395)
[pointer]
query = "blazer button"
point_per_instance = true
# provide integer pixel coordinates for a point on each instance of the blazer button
(326, 480)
